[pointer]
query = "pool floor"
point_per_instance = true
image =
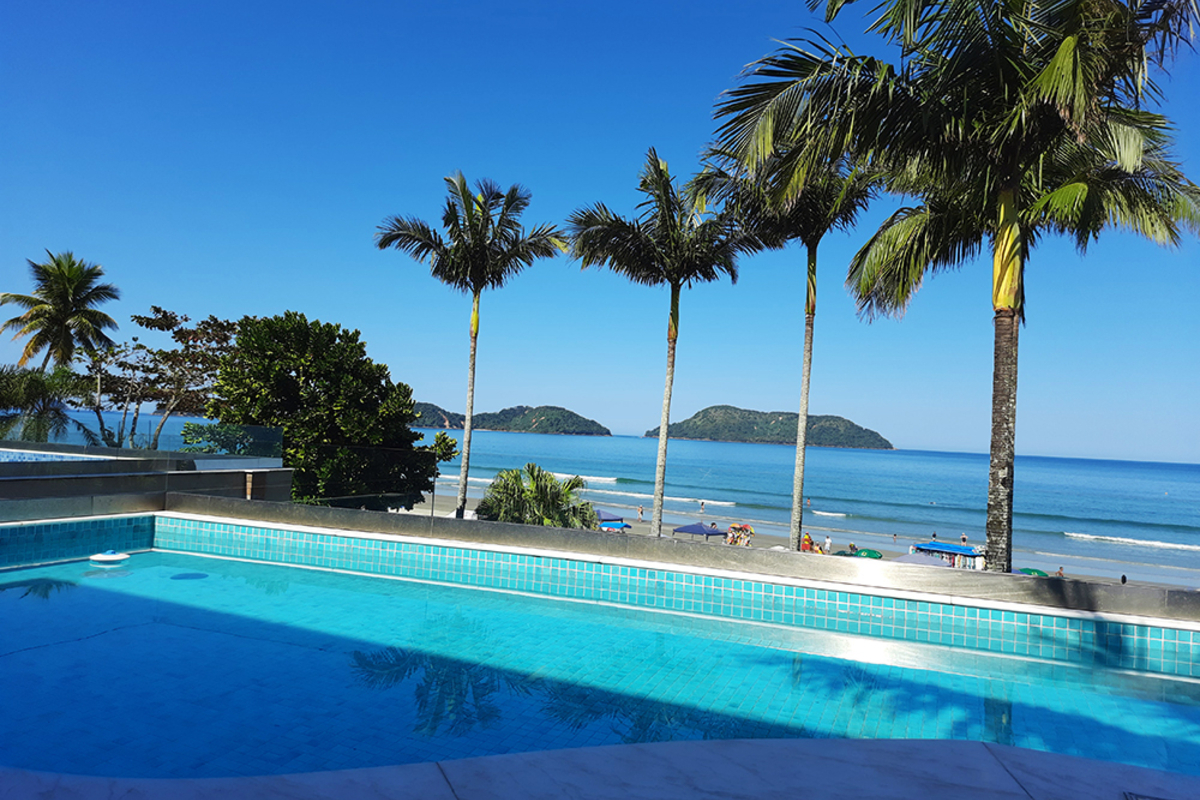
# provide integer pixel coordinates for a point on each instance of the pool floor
(183, 666)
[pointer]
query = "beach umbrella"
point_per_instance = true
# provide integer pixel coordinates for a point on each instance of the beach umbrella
(866, 552)
(606, 516)
(1031, 571)
(699, 529)
(614, 526)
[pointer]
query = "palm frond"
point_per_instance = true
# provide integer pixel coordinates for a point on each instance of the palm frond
(912, 243)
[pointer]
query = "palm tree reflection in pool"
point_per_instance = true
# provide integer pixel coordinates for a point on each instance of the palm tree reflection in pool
(460, 695)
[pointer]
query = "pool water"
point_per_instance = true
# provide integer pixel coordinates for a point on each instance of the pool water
(184, 666)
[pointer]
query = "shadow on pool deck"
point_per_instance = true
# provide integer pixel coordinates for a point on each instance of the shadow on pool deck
(729, 770)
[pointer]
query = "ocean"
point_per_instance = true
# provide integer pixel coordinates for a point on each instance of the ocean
(1091, 517)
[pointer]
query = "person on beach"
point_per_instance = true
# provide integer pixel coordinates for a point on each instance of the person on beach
(639, 513)
(934, 536)
(701, 506)
(1059, 574)
(828, 544)
(964, 538)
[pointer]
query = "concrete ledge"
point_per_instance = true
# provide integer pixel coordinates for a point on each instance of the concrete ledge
(226, 483)
(859, 574)
(32, 509)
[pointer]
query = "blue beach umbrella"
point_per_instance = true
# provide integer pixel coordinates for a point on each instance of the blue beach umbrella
(699, 529)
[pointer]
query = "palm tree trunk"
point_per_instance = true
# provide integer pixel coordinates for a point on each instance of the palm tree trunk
(461, 505)
(1007, 295)
(810, 313)
(1003, 451)
(660, 467)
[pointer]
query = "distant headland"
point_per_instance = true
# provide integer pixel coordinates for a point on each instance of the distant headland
(730, 424)
(521, 419)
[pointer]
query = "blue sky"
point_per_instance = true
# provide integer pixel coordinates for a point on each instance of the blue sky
(231, 158)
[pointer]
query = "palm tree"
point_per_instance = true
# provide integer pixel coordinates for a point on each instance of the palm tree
(485, 245)
(61, 314)
(1008, 121)
(832, 198)
(675, 242)
(35, 406)
(534, 496)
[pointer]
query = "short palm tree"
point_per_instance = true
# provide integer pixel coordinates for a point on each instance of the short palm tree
(674, 242)
(534, 496)
(35, 406)
(831, 199)
(61, 315)
(484, 246)
(1007, 120)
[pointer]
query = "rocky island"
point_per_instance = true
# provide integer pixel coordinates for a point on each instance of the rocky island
(519, 419)
(730, 424)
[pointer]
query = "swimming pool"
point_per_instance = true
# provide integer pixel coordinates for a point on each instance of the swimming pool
(179, 665)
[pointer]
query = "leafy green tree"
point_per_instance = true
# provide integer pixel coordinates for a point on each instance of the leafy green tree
(35, 405)
(831, 199)
(674, 242)
(180, 378)
(61, 314)
(484, 246)
(534, 496)
(1007, 121)
(177, 379)
(116, 379)
(346, 425)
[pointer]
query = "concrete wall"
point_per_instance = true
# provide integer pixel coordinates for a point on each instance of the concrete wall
(859, 573)
(29, 510)
(271, 484)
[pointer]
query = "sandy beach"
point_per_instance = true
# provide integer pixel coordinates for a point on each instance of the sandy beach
(445, 506)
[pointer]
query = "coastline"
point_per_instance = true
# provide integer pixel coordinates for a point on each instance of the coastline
(445, 503)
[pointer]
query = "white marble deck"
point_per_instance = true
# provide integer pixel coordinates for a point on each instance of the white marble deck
(726, 770)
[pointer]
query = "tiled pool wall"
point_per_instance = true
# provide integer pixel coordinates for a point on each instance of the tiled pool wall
(25, 543)
(1060, 638)
(1079, 639)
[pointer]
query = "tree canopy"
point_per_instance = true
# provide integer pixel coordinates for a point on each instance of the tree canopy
(346, 425)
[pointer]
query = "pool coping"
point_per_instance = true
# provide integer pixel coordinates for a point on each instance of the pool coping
(730, 769)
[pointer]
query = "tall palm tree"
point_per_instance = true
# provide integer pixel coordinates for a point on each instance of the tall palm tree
(676, 242)
(484, 246)
(1008, 120)
(61, 315)
(831, 198)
